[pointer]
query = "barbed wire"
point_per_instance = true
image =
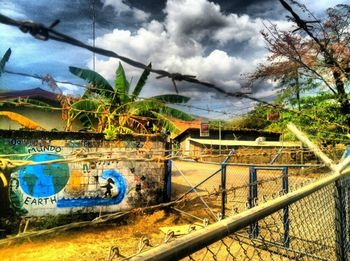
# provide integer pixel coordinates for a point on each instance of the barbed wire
(208, 110)
(44, 78)
(44, 33)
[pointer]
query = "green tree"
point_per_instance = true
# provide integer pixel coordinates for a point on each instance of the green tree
(319, 117)
(119, 109)
(254, 119)
(314, 56)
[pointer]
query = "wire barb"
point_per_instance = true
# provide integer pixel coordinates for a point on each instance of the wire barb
(41, 32)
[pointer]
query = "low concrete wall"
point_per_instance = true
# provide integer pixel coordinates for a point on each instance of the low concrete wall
(88, 186)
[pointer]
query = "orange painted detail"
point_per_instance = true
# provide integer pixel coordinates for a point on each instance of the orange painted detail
(77, 181)
(22, 120)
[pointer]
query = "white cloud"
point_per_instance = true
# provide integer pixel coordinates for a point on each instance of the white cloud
(69, 89)
(177, 44)
(121, 7)
(201, 18)
(12, 10)
(321, 5)
(165, 44)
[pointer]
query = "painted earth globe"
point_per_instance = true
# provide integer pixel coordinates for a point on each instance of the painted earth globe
(44, 180)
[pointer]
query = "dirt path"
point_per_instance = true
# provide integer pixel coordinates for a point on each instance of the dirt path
(94, 243)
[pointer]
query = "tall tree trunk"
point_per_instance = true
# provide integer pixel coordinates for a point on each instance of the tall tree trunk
(342, 96)
(297, 89)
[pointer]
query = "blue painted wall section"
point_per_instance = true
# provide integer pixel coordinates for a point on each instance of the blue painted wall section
(43, 180)
(120, 184)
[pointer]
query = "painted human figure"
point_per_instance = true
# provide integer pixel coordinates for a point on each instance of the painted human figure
(108, 187)
(16, 197)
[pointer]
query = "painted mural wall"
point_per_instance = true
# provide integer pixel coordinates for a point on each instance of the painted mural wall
(106, 186)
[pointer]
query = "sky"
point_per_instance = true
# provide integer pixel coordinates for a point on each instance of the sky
(218, 41)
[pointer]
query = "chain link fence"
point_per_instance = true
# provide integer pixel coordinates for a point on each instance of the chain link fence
(230, 188)
(304, 230)
(311, 222)
(311, 226)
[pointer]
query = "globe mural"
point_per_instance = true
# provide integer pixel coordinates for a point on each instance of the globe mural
(43, 180)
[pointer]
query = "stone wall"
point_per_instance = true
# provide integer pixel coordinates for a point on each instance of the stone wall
(88, 185)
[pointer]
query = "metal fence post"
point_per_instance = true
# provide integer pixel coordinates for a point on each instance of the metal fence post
(253, 195)
(167, 172)
(347, 210)
(223, 189)
(340, 222)
(285, 189)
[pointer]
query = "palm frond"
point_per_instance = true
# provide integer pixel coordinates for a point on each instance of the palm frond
(100, 85)
(121, 84)
(171, 98)
(84, 110)
(175, 113)
(141, 82)
(4, 60)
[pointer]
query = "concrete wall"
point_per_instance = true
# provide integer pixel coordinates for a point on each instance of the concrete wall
(47, 119)
(88, 186)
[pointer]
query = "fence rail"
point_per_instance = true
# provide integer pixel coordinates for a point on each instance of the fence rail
(197, 240)
(311, 222)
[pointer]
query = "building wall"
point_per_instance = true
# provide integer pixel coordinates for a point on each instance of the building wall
(47, 119)
(88, 186)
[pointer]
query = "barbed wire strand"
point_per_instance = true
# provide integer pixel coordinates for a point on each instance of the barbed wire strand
(41, 32)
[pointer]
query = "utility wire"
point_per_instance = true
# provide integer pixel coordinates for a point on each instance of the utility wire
(41, 32)
(42, 78)
(44, 33)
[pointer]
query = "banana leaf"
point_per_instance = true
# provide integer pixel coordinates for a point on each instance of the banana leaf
(166, 122)
(85, 110)
(100, 85)
(4, 60)
(141, 82)
(121, 85)
(171, 98)
(175, 113)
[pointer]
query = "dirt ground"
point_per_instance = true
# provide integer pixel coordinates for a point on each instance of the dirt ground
(94, 243)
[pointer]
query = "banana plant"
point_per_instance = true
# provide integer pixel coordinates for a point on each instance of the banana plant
(4, 60)
(119, 109)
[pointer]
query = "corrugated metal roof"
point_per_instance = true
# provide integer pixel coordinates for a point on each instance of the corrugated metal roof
(247, 143)
(36, 92)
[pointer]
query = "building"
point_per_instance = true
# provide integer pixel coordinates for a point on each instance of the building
(248, 142)
(48, 119)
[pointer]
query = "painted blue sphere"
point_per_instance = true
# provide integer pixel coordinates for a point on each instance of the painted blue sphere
(43, 180)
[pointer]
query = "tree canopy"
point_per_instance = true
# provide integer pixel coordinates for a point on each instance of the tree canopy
(314, 57)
